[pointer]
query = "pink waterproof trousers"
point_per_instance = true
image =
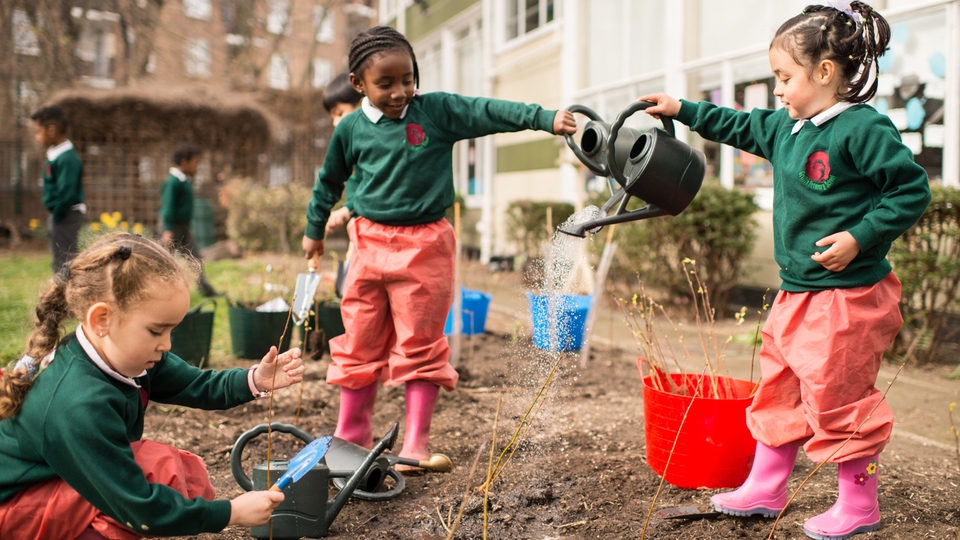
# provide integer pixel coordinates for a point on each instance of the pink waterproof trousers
(395, 300)
(819, 361)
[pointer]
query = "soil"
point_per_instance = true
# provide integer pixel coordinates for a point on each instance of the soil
(580, 471)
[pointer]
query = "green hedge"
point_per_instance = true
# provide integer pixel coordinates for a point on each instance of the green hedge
(927, 261)
(527, 223)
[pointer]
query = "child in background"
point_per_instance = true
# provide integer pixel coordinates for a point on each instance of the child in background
(176, 206)
(400, 283)
(62, 184)
(72, 464)
(340, 98)
(845, 187)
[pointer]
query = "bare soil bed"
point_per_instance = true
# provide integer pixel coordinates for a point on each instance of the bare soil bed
(581, 472)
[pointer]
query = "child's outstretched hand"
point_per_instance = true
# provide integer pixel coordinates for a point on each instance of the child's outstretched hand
(337, 218)
(253, 508)
(564, 123)
(278, 371)
(665, 105)
(843, 249)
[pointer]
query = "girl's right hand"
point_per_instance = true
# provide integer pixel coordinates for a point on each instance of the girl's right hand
(312, 247)
(253, 508)
(665, 105)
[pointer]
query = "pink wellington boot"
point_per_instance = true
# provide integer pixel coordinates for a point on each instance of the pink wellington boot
(356, 410)
(765, 491)
(857, 509)
(421, 399)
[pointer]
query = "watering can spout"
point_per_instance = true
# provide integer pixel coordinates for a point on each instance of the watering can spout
(386, 443)
(593, 226)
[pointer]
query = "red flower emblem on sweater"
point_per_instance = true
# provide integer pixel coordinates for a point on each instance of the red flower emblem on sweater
(817, 171)
(49, 170)
(416, 137)
(818, 167)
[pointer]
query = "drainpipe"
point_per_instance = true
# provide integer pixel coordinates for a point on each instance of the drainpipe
(728, 100)
(486, 144)
(570, 187)
(951, 139)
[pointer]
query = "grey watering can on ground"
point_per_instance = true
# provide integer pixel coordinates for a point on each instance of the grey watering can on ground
(652, 165)
(305, 510)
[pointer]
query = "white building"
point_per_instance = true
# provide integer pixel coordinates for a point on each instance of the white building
(606, 53)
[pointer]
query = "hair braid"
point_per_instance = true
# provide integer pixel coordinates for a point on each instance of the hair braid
(853, 41)
(377, 40)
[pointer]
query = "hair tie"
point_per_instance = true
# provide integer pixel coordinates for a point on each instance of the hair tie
(63, 275)
(123, 253)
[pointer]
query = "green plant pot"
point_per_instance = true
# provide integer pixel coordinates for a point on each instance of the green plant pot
(252, 332)
(191, 338)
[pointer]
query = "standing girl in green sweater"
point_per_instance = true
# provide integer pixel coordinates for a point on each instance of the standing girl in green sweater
(400, 284)
(72, 462)
(845, 187)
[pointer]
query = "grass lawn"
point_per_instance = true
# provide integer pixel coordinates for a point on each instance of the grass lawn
(254, 279)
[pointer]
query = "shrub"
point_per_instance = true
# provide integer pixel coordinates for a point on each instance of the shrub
(927, 261)
(264, 218)
(717, 231)
(527, 223)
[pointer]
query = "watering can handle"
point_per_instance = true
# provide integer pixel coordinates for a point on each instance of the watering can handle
(236, 467)
(615, 131)
(597, 168)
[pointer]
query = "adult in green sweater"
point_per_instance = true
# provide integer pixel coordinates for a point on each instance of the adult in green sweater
(176, 206)
(400, 285)
(72, 464)
(845, 187)
(62, 184)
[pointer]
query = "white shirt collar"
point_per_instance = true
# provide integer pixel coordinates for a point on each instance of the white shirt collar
(95, 356)
(178, 173)
(55, 151)
(375, 114)
(823, 117)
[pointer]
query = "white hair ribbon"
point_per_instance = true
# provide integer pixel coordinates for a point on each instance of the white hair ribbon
(844, 6)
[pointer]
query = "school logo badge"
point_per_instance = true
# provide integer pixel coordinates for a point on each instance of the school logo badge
(817, 171)
(416, 137)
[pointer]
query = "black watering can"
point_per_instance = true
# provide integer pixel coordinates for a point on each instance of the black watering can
(305, 510)
(653, 166)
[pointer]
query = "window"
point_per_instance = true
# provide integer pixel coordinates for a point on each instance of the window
(322, 72)
(323, 23)
(525, 16)
(198, 58)
(24, 37)
(278, 19)
(197, 9)
(279, 73)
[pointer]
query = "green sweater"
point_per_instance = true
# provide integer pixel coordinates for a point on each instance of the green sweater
(77, 424)
(176, 202)
(63, 183)
(851, 173)
(404, 167)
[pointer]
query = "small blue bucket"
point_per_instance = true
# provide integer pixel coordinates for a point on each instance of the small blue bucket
(570, 314)
(473, 311)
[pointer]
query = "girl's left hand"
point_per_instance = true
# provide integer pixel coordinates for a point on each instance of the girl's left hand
(844, 249)
(279, 371)
(564, 123)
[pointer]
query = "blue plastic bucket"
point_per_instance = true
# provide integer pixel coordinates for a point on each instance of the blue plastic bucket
(570, 315)
(473, 311)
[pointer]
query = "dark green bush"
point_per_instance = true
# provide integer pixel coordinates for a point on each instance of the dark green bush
(527, 223)
(927, 261)
(717, 231)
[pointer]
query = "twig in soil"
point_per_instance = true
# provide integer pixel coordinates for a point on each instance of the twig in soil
(953, 431)
(493, 446)
(666, 467)
(273, 383)
(574, 524)
(844, 443)
(756, 333)
(466, 494)
(524, 426)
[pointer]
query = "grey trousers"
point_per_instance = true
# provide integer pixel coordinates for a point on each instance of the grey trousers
(183, 240)
(63, 238)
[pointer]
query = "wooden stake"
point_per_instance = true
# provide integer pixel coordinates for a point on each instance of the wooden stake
(457, 327)
(609, 248)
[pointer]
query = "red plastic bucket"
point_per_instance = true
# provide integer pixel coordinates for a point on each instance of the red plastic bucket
(715, 448)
